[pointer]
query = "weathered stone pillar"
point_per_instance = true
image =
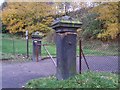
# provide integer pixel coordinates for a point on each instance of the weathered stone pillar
(37, 41)
(66, 47)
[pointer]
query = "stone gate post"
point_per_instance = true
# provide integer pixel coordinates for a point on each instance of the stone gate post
(37, 41)
(66, 47)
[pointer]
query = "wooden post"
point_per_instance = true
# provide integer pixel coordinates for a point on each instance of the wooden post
(13, 46)
(37, 52)
(80, 63)
(27, 43)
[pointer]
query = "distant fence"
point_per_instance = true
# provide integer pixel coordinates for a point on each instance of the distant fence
(98, 48)
(16, 46)
(90, 48)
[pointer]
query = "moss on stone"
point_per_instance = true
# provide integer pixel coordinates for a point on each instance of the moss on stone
(69, 21)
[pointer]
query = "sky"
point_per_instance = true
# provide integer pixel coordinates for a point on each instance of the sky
(1, 1)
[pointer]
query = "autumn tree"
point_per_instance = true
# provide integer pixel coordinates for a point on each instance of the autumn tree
(108, 13)
(32, 16)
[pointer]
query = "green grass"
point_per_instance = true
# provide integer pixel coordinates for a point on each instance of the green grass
(20, 47)
(99, 52)
(51, 49)
(85, 80)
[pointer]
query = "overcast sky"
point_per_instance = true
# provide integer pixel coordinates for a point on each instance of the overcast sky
(1, 1)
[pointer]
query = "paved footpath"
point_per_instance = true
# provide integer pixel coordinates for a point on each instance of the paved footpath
(15, 75)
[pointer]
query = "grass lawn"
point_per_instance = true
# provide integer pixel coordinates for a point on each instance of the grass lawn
(85, 80)
(20, 47)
